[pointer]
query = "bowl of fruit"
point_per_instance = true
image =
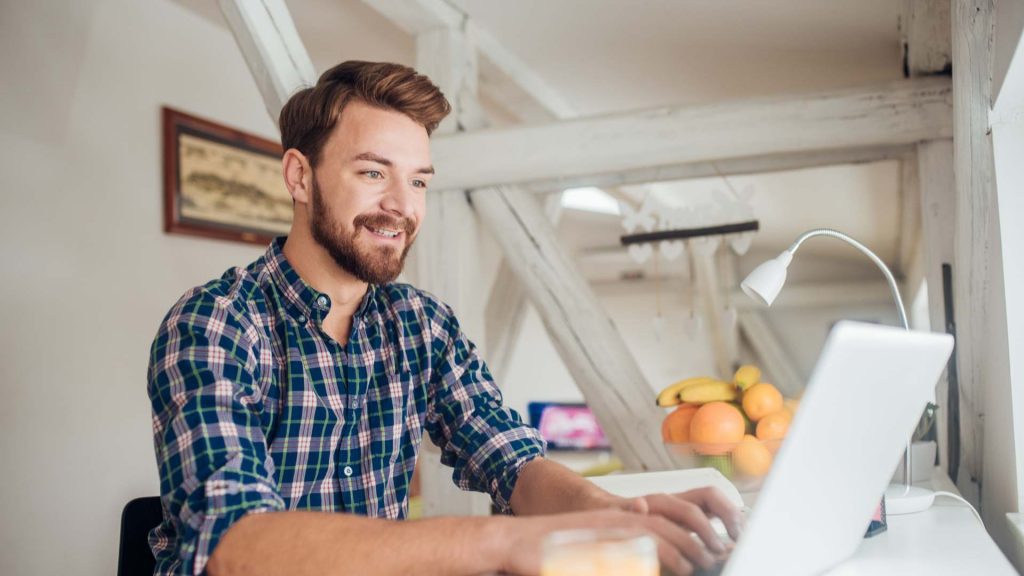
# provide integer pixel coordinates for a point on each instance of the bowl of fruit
(735, 427)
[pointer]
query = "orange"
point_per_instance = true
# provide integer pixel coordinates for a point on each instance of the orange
(774, 426)
(751, 457)
(748, 424)
(716, 427)
(761, 400)
(675, 428)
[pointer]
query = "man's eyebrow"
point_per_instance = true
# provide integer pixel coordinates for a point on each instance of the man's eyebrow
(371, 157)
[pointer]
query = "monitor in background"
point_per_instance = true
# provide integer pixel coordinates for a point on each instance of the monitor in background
(567, 426)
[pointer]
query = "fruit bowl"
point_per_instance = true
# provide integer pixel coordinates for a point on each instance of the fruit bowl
(746, 463)
(735, 427)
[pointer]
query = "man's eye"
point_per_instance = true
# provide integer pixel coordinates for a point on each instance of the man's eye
(373, 174)
(419, 183)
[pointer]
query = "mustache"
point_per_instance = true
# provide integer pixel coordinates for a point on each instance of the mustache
(384, 221)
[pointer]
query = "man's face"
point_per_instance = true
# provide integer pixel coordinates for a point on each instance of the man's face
(369, 191)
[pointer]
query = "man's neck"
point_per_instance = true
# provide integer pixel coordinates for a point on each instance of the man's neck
(319, 270)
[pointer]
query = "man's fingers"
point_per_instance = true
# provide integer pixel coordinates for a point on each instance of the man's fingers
(690, 547)
(715, 503)
(638, 505)
(688, 515)
(670, 559)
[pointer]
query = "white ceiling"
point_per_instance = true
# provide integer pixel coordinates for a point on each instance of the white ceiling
(603, 56)
(613, 55)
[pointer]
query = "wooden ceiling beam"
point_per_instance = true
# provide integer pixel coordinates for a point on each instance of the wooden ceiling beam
(895, 114)
(272, 48)
(926, 37)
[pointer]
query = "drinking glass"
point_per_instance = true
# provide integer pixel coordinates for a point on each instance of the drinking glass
(605, 552)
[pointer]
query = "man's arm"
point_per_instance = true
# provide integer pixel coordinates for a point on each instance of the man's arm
(547, 487)
(318, 543)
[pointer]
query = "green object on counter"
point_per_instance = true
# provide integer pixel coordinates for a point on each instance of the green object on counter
(721, 463)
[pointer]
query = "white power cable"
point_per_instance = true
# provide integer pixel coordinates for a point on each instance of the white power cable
(960, 498)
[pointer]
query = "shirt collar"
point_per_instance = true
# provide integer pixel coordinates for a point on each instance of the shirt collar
(301, 298)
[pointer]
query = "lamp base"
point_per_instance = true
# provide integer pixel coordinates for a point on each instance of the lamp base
(902, 500)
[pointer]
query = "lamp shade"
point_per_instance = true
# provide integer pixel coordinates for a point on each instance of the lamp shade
(765, 282)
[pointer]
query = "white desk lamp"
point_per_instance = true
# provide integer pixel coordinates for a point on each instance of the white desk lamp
(764, 284)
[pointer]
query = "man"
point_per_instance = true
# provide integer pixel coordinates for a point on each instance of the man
(290, 397)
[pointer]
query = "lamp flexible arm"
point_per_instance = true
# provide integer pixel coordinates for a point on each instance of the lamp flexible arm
(907, 474)
(867, 252)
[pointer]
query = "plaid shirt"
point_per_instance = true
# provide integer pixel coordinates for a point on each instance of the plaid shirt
(256, 409)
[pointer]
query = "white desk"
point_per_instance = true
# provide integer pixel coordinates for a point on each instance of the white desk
(945, 539)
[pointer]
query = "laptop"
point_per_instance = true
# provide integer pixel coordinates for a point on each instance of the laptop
(863, 400)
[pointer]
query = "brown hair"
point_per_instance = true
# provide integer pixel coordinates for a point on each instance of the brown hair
(310, 115)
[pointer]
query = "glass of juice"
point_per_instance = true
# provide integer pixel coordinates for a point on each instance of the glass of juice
(604, 552)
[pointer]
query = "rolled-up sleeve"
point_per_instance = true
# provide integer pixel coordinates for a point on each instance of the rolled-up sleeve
(210, 447)
(485, 443)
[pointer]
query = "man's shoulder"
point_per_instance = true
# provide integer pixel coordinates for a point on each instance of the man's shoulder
(229, 299)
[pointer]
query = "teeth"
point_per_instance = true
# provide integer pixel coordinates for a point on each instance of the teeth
(388, 233)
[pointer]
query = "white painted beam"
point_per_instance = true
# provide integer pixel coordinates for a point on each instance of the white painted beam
(891, 115)
(272, 48)
(506, 306)
(729, 282)
(702, 255)
(726, 167)
(982, 349)
(974, 190)
(938, 225)
(586, 339)
(926, 37)
(938, 220)
(910, 218)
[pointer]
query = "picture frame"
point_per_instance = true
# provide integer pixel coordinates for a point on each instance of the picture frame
(221, 182)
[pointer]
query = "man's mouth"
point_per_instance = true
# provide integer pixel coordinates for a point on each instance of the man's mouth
(384, 232)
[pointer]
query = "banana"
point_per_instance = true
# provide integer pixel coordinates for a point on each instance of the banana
(747, 376)
(710, 392)
(669, 396)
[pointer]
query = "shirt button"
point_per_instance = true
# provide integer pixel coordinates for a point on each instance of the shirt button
(347, 471)
(301, 319)
(321, 301)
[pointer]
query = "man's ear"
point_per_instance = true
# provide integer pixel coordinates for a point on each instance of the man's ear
(298, 175)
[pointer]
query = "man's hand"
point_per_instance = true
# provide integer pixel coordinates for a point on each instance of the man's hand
(672, 519)
(565, 500)
(693, 509)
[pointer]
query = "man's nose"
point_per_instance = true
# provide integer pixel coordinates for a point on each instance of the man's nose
(399, 199)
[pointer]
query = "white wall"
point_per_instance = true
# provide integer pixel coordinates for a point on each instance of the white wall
(1004, 418)
(88, 273)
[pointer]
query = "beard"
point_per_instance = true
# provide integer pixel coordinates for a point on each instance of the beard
(373, 265)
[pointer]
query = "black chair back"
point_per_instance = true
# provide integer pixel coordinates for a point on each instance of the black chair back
(134, 557)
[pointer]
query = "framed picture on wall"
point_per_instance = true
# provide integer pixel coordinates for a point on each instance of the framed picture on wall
(220, 182)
